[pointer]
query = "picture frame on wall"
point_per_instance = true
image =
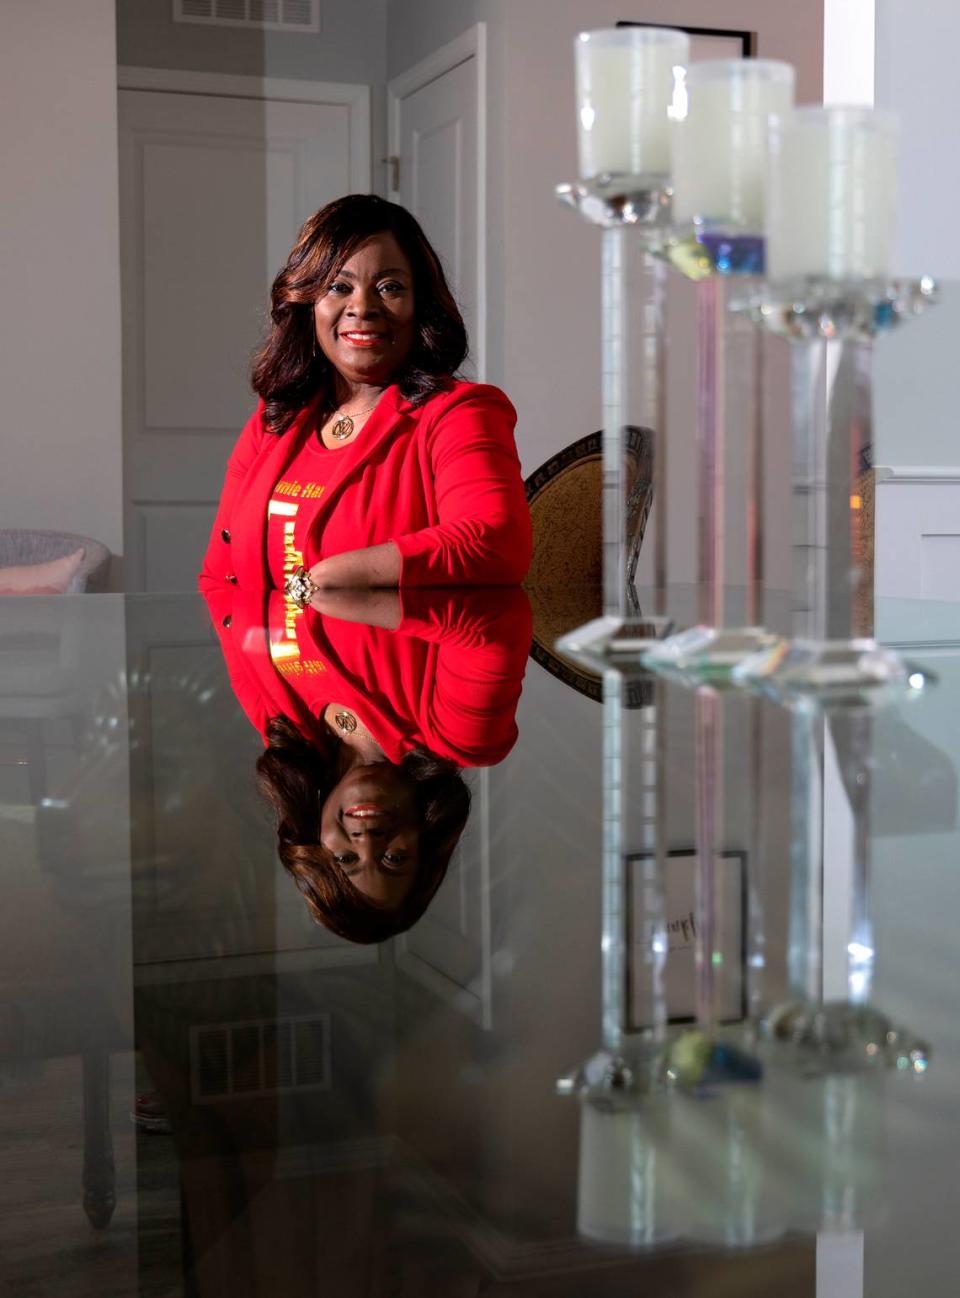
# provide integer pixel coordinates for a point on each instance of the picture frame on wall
(679, 975)
(710, 42)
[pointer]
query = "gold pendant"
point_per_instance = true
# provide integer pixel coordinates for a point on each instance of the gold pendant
(346, 722)
(342, 429)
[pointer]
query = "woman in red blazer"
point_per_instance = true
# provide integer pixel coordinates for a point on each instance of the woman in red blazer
(365, 462)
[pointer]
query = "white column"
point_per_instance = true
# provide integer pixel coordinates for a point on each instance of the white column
(840, 1265)
(849, 51)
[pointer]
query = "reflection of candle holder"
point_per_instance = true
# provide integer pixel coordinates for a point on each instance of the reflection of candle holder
(833, 322)
(721, 1146)
(618, 206)
(836, 1037)
(624, 1113)
(625, 1192)
(825, 1047)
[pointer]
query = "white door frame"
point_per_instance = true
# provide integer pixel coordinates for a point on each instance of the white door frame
(354, 96)
(469, 44)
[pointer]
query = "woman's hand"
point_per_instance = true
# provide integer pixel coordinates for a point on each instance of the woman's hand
(376, 566)
(370, 607)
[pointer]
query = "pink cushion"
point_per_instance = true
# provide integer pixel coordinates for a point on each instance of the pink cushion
(51, 578)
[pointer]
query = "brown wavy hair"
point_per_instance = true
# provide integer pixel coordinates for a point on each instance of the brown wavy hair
(296, 775)
(289, 371)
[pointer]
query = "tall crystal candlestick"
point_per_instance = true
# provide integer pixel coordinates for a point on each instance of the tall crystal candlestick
(633, 382)
(830, 205)
(626, 88)
(832, 655)
(719, 169)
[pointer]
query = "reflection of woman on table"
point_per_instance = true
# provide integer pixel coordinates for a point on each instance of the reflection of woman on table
(366, 463)
(367, 724)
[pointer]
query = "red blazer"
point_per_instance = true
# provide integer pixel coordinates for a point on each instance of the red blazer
(447, 679)
(441, 480)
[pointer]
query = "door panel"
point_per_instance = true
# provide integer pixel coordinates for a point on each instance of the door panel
(213, 191)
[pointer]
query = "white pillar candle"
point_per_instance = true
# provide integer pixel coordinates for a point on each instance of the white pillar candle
(831, 188)
(720, 146)
(625, 85)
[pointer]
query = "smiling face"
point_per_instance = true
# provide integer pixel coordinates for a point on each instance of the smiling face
(365, 316)
(370, 826)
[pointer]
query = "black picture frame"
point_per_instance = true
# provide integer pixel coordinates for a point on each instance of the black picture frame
(748, 40)
(633, 1020)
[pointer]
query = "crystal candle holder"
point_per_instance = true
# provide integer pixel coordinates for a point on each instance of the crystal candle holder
(701, 249)
(832, 655)
(642, 215)
(720, 151)
(710, 250)
(729, 431)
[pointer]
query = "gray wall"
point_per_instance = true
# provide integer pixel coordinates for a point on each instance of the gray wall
(415, 28)
(351, 46)
(60, 356)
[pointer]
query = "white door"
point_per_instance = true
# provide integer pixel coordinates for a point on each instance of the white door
(436, 133)
(213, 189)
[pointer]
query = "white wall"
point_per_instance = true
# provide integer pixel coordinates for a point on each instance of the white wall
(916, 391)
(60, 356)
(916, 74)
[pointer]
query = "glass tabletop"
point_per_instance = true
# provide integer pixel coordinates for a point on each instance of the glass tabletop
(204, 1091)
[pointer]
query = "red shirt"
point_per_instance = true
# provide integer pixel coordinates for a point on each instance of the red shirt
(441, 480)
(293, 507)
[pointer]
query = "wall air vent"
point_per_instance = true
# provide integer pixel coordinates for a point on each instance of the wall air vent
(261, 15)
(234, 1061)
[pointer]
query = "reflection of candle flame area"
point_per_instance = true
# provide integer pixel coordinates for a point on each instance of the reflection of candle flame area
(588, 116)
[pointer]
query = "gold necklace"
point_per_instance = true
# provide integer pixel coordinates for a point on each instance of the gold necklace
(345, 721)
(343, 428)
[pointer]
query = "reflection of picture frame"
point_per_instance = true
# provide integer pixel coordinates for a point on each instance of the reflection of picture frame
(680, 884)
(711, 42)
